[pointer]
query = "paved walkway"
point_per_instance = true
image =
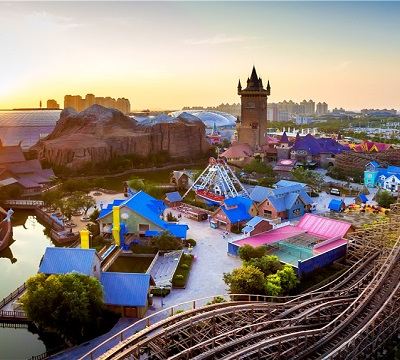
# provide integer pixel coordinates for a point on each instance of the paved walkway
(210, 263)
(164, 268)
(206, 279)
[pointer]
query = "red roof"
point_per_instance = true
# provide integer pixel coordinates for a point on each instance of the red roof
(369, 146)
(238, 151)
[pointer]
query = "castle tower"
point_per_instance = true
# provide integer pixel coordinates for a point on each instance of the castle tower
(253, 121)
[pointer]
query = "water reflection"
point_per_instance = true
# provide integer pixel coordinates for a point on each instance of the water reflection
(8, 254)
(17, 263)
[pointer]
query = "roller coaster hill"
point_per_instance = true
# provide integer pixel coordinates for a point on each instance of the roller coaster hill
(352, 317)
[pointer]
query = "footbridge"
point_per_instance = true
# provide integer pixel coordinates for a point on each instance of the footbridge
(350, 317)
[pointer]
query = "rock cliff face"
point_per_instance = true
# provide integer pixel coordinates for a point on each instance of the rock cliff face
(99, 134)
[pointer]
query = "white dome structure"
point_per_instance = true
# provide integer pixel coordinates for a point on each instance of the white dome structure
(208, 117)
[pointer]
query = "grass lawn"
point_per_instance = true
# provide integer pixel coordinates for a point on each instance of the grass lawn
(154, 177)
(131, 264)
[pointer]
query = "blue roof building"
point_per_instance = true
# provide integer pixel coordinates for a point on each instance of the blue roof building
(126, 289)
(173, 197)
(386, 178)
(336, 205)
(58, 260)
(126, 293)
(141, 213)
(256, 226)
(361, 198)
(285, 183)
(285, 202)
(234, 211)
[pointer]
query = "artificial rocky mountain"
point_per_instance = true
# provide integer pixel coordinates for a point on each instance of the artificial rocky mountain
(99, 134)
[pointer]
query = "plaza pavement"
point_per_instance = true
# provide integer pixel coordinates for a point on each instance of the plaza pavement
(205, 280)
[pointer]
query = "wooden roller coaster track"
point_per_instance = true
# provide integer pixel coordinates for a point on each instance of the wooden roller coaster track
(351, 317)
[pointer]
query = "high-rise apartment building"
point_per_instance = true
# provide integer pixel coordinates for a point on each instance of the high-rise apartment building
(307, 107)
(79, 104)
(322, 108)
(52, 104)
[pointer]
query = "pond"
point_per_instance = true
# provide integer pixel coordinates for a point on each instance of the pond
(17, 264)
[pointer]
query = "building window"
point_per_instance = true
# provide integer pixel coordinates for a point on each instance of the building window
(143, 228)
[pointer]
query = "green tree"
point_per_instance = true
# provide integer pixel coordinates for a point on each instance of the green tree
(72, 185)
(288, 278)
(384, 198)
(272, 285)
(247, 252)
(309, 177)
(86, 202)
(94, 215)
(136, 183)
(52, 197)
(268, 264)
(245, 280)
(258, 167)
(68, 304)
(166, 241)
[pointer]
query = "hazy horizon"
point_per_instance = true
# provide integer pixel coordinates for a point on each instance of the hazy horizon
(166, 55)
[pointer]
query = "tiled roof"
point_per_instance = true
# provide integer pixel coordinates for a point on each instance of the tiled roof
(316, 146)
(27, 166)
(8, 181)
(282, 198)
(11, 154)
(149, 208)
(27, 182)
(255, 220)
(260, 193)
(125, 289)
(65, 260)
(238, 151)
(240, 209)
(369, 146)
(290, 199)
(108, 210)
(285, 183)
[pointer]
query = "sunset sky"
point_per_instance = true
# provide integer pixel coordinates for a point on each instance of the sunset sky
(172, 54)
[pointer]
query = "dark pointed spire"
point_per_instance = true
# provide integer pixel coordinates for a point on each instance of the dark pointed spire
(254, 76)
(284, 138)
(239, 85)
(268, 88)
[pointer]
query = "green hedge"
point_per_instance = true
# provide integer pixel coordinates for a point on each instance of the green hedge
(160, 291)
(182, 272)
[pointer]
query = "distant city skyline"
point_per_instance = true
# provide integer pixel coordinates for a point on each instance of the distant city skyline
(168, 55)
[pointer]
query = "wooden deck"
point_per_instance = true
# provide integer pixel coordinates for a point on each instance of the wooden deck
(7, 312)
